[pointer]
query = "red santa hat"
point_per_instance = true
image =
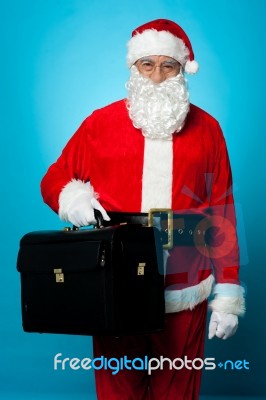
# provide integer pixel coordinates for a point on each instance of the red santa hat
(162, 37)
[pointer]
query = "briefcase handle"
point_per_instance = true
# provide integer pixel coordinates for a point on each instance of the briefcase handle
(99, 218)
(99, 221)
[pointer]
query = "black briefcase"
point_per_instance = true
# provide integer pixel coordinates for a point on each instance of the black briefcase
(105, 281)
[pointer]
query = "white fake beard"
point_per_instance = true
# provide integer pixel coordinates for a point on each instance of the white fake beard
(158, 109)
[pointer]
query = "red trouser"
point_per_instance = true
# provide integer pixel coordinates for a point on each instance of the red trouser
(184, 335)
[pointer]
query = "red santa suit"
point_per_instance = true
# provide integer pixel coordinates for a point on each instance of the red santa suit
(190, 174)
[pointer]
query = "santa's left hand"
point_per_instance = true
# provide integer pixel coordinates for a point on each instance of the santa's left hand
(222, 325)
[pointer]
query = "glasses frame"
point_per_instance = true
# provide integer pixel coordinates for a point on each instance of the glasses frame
(167, 63)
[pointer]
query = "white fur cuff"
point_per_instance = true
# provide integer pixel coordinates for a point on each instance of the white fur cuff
(69, 194)
(188, 298)
(229, 298)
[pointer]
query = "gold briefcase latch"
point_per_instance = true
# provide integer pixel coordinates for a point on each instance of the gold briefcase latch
(141, 267)
(59, 276)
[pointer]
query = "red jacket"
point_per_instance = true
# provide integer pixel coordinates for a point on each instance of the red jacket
(109, 152)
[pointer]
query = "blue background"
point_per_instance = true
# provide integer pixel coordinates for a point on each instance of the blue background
(59, 61)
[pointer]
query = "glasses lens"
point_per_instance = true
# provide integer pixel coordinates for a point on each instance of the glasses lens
(147, 66)
(168, 68)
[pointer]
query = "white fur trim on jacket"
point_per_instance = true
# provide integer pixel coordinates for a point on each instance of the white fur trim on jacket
(229, 298)
(153, 42)
(188, 298)
(70, 193)
(157, 173)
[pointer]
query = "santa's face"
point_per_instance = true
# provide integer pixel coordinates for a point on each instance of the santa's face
(158, 99)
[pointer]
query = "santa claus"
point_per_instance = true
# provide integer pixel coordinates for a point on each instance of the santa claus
(157, 150)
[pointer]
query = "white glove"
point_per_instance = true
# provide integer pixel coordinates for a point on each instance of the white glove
(81, 212)
(222, 325)
(76, 203)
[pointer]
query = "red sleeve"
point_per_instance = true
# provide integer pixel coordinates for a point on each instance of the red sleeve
(74, 163)
(223, 243)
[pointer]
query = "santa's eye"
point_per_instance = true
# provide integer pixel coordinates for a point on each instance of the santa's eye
(147, 65)
(167, 67)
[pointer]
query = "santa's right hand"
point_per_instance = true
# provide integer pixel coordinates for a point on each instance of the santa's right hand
(97, 206)
(77, 203)
(81, 212)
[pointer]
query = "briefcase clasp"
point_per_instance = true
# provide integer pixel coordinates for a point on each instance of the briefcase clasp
(59, 276)
(141, 267)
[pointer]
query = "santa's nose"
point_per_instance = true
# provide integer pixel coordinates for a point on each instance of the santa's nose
(157, 76)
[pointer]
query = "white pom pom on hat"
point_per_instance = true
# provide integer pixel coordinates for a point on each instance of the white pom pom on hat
(162, 37)
(191, 67)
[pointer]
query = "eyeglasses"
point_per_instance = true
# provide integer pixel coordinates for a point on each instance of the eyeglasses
(167, 67)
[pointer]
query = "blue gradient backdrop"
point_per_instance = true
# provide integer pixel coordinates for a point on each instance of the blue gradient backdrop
(59, 61)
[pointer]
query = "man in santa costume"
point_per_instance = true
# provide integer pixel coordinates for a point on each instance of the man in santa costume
(156, 150)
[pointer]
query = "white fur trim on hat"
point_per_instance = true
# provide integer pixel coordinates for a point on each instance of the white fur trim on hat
(153, 42)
